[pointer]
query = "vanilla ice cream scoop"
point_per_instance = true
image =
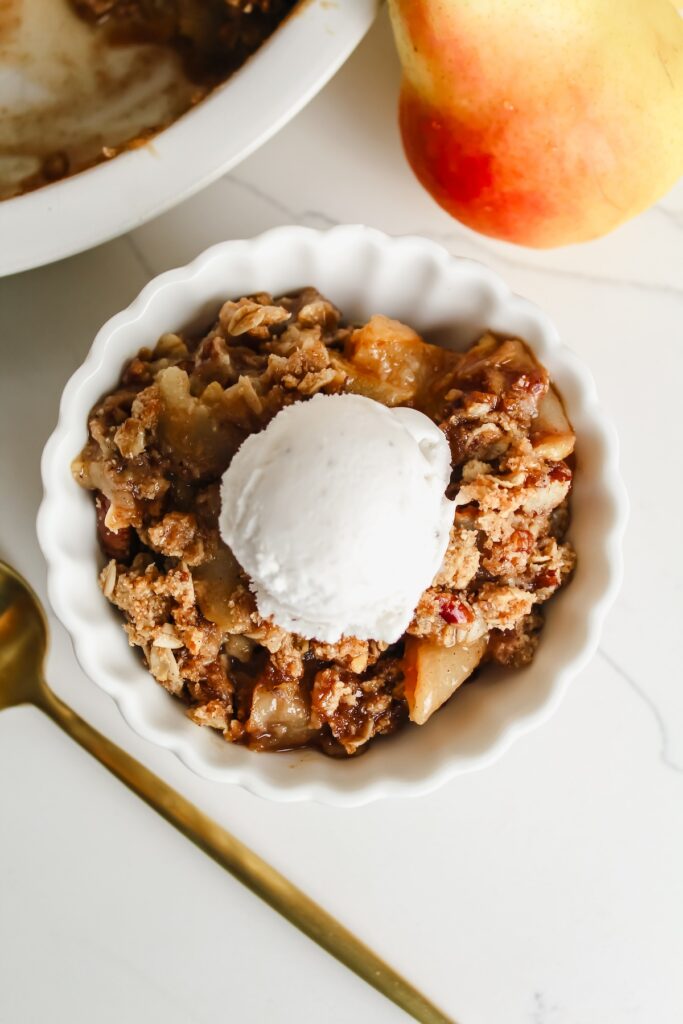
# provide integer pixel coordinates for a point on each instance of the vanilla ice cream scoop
(337, 511)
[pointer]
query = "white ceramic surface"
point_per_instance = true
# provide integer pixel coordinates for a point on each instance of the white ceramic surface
(87, 208)
(449, 300)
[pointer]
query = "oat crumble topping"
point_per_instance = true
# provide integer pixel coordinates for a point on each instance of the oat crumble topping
(160, 442)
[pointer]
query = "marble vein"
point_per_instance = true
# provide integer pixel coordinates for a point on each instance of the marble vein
(451, 240)
(542, 1012)
(646, 699)
(308, 218)
(140, 257)
(674, 217)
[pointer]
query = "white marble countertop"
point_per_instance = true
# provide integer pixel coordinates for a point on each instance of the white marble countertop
(547, 889)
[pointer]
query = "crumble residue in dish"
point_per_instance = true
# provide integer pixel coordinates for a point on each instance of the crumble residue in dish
(108, 75)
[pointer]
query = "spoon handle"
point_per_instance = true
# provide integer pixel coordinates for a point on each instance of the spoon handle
(242, 863)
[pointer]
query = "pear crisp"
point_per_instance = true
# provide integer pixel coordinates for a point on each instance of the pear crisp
(161, 440)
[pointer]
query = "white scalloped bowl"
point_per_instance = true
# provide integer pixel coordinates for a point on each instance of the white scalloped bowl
(450, 301)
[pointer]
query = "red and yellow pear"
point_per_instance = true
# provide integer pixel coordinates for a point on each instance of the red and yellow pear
(542, 122)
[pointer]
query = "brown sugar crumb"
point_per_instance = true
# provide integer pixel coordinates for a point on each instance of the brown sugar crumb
(516, 647)
(177, 535)
(461, 561)
(160, 442)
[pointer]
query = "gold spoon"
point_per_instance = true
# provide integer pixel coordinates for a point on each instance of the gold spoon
(23, 642)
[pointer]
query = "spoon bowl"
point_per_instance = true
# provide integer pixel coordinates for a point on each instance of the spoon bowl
(23, 642)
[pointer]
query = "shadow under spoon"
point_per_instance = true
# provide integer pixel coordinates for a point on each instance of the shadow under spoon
(23, 643)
